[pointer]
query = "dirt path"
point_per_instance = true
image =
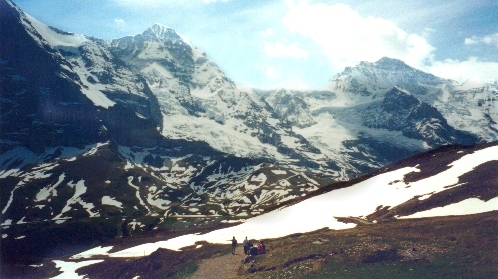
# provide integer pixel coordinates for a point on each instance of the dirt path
(366, 222)
(220, 267)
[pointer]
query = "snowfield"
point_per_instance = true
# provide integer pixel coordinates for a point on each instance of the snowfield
(361, 199)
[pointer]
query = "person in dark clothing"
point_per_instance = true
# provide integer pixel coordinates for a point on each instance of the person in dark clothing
(247, 244)
(253, 251)
(234, 245)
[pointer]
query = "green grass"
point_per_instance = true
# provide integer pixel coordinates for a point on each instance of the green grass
(447, 247)
(381, 270)
(186, 270)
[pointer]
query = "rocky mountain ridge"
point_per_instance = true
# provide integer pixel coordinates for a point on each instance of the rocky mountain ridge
(470, 106)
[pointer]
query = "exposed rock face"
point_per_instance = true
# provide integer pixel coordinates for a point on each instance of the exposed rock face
(400, 111)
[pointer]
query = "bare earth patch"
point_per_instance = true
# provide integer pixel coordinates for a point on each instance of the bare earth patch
(220, 267)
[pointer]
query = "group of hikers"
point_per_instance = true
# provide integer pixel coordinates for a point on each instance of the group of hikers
(249, 248)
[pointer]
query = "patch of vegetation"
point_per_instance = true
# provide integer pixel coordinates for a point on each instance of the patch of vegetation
(186, 270)
(446, 247)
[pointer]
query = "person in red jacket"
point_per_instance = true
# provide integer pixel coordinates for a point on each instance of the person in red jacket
(261, 247)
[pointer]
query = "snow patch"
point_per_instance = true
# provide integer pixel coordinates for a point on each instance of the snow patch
(56, 39)
(49, 190)
(80, 189)
(465, 207)
(100, 250)
(36, 265)
(107, 200)
(137, 193)
(69, 268)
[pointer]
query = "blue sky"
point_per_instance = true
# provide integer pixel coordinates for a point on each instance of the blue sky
(301, 44)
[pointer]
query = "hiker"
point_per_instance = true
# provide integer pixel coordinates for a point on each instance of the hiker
(246, 246)
(261, 247)
(253, 251)
(234, 244)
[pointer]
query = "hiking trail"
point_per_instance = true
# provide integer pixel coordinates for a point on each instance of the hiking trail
(220, 267)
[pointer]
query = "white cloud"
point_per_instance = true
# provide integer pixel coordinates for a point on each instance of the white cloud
(426, 32)
(279, 49)
(268, 32)
(281, 76)
(471, 69)
(491, 39)
(271, 72)
(470, 41)
(119, 21)
(347, 38)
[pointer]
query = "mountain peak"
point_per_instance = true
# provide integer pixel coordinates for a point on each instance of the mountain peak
(162, 33)
(159, 28)
(391, 64)
(389, 60)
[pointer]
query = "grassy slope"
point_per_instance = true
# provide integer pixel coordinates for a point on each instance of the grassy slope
(446, 247)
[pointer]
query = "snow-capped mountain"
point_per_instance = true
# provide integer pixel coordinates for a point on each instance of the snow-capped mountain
(471, 106)
(383, 111)
(289, 126)
(194, 93)
(149, 125)
(368, 81)
(81, 134)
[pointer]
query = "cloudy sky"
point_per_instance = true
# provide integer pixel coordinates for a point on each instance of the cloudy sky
(294, 43)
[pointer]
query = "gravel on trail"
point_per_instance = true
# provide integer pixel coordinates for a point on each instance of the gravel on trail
(220, 267)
